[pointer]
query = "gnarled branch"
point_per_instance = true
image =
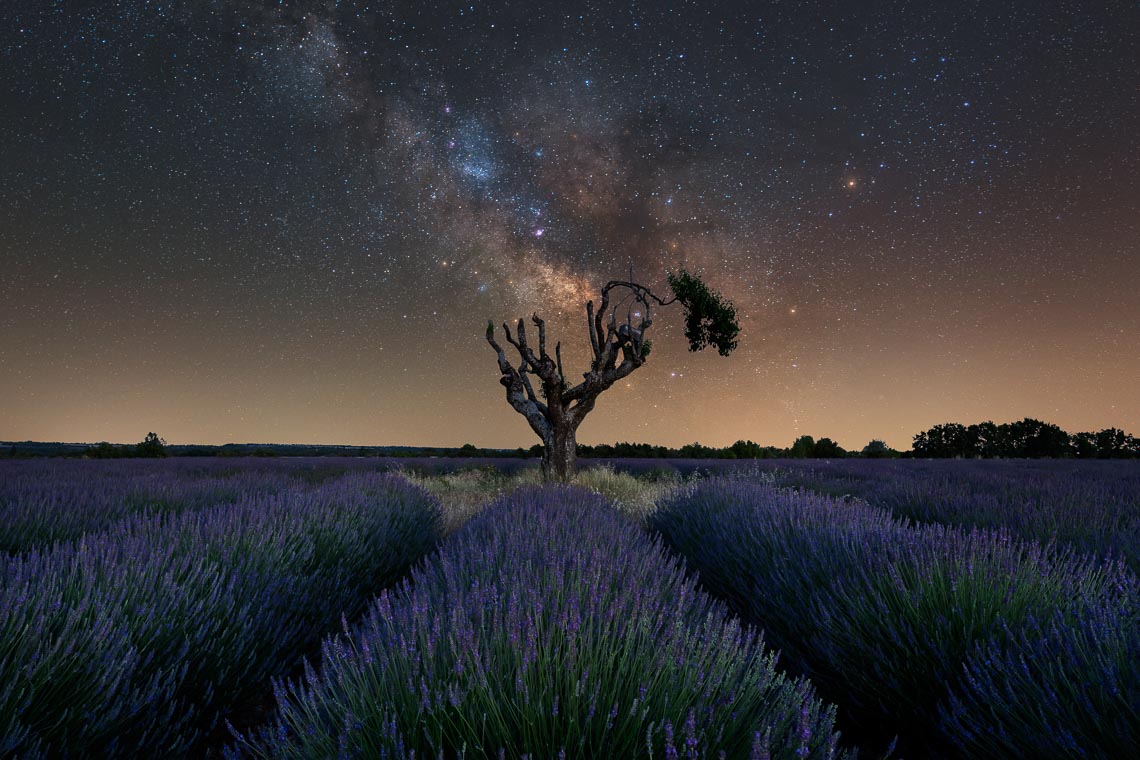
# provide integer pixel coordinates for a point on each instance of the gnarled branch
(541, 334)
(520, 395)
(521, 346)
(595, 346)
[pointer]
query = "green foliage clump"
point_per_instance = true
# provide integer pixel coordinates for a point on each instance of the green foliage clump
(803, 448)
(710, 319)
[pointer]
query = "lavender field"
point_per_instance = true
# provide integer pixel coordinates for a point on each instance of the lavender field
(960, 641)
(1093, 506)
(150, 602)
(657, 608)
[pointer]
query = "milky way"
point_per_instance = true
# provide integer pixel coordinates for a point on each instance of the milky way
(291, 221)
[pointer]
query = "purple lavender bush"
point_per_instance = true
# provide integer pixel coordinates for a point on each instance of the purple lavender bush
(548, 626)
(1092, 506)
(139, 639)
(46, 501)
(1056, 687)
(883, 615)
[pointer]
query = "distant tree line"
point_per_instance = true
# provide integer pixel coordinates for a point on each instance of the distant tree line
(1027, 438)
(804, 447)
(152, 447)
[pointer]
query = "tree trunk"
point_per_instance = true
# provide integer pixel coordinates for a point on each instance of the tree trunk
(559, 453)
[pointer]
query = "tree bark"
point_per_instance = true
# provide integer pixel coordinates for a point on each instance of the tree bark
(560, 453)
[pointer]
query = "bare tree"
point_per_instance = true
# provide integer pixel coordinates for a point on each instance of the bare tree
(618, 349)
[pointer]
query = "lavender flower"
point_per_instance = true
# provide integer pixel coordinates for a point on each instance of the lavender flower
(587, 586)
(888, 615)
(147, 631)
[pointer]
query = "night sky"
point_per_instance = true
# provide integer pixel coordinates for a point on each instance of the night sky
(290, 222)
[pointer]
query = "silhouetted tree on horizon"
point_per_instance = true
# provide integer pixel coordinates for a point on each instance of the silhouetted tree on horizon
(825, 448)
(1112, 443)
(802, 448)
(877, 449)
(944, 441)
(151, 446)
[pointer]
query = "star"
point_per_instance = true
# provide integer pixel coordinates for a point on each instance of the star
(293, 188)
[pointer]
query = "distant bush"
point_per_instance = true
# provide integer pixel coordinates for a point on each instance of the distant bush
(877, 449)
(547, 626)
(151, 446)
(104, 450)
(887, 616)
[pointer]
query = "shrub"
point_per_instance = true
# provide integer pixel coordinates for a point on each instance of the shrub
(1092, 506)
(51, 501)
(463, 493)
(138, 639)
(152, 446)
(1054, 688)
(548, 624)
(881, 613)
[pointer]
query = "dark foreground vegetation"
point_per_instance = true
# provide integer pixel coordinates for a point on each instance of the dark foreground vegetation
(549, 626)
(1093, 507)
(148, 607)
(162, 620)
(948, 637)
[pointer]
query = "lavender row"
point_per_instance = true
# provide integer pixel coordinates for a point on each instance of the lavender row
(137, 640)
(46, 501)
(1092, 506)
(1054, 687)
(548, 626)
(949, 637)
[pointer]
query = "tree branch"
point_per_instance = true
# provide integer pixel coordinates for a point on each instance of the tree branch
(599, 326)
(597, 349)
(617, 352)
(541, 335)
(504, 365)
(520, 327)
(521, 346)
(604, 370)
(575, 393)
(609, 355)
(640, 290)
(524, 375)
(520, 395)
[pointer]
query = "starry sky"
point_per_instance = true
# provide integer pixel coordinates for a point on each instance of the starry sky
(238, 221)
